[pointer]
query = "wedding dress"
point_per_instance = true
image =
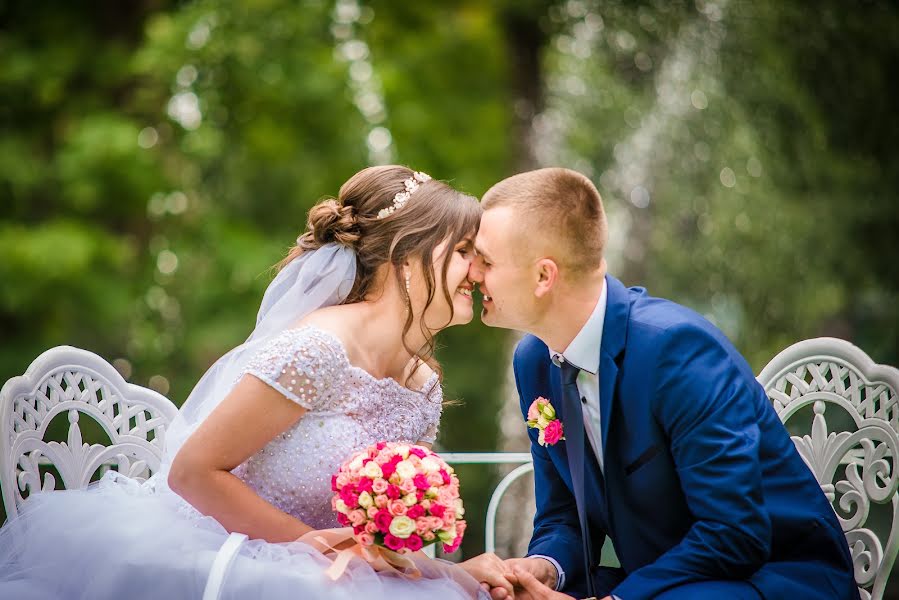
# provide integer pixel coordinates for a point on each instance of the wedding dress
(125, 539)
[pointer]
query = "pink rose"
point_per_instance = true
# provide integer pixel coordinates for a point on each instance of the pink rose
(366, 539)
(413, 543)
(397, 508)
(421, 481)
(388, 468)
(357, 529)
(333, 483)
(357, 517)
(393, 492)
(428, 536)
(419, 452)
(425, 504)
(438, 509)
(383, 520)
(371, 511)
(433, 479)
(381, 501)
(370, 527)
(343, 520)
(380, 445)
(407, 487)
(348, 497)
(450, 548)
(415, 511)
(365, 485)
(422, 525)
(436, 523)
(379, 486)
(552, 433)
(393, 542)
(341, 480)
(445, 496)
(534, 410)
(445, 476)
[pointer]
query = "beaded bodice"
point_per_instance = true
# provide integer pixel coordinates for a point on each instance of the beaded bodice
(347, 409)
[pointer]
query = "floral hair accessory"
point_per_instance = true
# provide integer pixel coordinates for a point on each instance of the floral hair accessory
(401, 198)
(542, 417)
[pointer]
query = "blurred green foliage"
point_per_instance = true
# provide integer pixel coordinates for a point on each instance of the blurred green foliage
(157, 157)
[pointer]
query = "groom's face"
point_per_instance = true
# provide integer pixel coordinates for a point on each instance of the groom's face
(502, 272)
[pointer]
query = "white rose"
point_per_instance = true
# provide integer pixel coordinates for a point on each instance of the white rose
(409, 499)
(402, 450)
(542, 422)
(365, 500)
(341, 507)
(429, 465)
(405, 469)
(356, 463)
(402, 527)
(457, 504)
(372, 470)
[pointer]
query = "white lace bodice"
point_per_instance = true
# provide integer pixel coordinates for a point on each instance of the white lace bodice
(347, 409)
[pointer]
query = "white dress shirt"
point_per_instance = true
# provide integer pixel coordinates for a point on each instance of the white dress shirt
(583, 352)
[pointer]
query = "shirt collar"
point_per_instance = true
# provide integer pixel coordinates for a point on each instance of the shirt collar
(583, 351)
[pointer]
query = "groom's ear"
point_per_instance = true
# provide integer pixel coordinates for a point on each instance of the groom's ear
(547, 272)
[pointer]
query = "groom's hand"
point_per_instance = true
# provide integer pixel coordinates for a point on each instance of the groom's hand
(540, 569)
(491, 572)
(532, 588)
(529, 587)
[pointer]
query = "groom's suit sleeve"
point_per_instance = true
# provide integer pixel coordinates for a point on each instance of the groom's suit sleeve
(557, 532)
(708, 403)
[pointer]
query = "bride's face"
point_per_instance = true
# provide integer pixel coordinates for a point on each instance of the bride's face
(439, 314)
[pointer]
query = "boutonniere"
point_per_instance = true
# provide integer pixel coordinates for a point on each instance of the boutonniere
(542, 417)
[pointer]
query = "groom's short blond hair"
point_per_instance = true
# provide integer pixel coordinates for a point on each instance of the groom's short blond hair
(560, 207)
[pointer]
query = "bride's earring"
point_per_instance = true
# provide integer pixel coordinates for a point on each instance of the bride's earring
(409, 289)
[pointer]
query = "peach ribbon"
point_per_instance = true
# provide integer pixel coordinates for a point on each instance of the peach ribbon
(340, 545)
(329, 541)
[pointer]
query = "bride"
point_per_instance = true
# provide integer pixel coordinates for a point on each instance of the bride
(341, 358)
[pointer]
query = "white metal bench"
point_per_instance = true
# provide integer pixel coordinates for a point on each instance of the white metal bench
(855, 466)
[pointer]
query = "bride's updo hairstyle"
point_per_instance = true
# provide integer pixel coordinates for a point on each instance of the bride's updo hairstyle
(361, 218)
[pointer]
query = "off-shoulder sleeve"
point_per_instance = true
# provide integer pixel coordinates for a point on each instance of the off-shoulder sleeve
(306, 365)
(435, 402)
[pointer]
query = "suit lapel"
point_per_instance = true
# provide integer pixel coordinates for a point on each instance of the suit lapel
(614, 335)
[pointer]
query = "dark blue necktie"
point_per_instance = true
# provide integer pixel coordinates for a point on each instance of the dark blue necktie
(574, 444)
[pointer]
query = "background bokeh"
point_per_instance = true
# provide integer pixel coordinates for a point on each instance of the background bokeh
(157, 157)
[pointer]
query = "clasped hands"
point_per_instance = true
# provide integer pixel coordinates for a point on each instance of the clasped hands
(518, 578)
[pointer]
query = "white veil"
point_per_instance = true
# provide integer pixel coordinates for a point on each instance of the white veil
(313, 280)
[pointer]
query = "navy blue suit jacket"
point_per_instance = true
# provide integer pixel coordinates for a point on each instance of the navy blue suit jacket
(701, 480)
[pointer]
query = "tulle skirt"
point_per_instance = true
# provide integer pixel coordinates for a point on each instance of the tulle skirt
(123, 539)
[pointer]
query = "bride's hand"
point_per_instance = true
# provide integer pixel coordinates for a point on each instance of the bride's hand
(489, 569)
(324, 540)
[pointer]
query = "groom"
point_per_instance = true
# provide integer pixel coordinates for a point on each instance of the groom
(671, 448)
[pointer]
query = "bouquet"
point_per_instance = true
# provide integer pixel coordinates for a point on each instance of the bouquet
(400, 497)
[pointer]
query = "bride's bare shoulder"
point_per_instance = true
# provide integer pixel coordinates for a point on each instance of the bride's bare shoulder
(337, 320)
